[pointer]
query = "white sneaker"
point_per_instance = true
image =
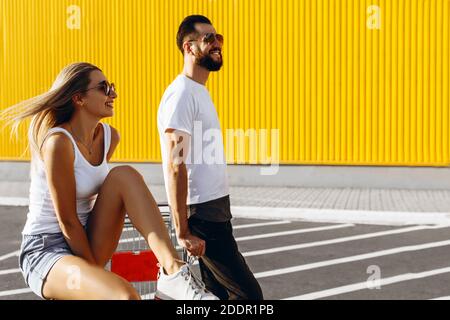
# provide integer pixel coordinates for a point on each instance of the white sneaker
(183, 285)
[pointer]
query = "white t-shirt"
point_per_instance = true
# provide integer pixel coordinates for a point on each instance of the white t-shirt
(42, 217)
(187, 106)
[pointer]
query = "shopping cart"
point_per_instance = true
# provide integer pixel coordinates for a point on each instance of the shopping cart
(133, 259)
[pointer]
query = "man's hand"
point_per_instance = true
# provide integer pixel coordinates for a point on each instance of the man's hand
(194, 245)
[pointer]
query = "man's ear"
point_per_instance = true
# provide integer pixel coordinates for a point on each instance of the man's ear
(187, 47)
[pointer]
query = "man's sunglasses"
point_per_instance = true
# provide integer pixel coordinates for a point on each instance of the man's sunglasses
(108, 88)
(210, 38)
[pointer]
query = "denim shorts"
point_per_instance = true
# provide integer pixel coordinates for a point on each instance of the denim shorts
(38, 254)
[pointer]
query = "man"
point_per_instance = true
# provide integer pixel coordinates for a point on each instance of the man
(197, 188)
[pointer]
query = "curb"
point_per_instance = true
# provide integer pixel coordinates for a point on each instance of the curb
(392, 218)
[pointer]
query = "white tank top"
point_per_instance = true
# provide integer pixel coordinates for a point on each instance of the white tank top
(41, 217)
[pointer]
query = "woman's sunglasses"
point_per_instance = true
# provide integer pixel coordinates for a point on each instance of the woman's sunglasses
(108, 88)
(211, 37)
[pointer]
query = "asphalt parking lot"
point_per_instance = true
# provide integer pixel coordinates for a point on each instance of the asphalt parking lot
(305, 260)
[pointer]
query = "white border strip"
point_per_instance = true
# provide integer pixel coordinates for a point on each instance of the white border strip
(343, 216)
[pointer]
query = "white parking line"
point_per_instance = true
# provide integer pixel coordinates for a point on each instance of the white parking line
(242, 226)
(365, 285)
(339, 240)
(9, 271)
(14, 292)
(291, 232)
(262, 224)
(359, 257)
(266, 235)
(10, 255)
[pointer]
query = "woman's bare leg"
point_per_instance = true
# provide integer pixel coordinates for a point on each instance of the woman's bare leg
(73, 278)
(124, 190)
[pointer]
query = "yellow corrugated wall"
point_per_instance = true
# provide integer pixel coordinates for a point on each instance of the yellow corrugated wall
(348, 82)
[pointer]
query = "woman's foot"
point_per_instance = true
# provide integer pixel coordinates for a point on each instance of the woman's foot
(173, 267)
(181, 285)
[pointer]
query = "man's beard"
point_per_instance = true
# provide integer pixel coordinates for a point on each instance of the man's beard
(208, 63)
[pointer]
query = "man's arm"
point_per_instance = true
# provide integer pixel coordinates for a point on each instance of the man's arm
(178, 148)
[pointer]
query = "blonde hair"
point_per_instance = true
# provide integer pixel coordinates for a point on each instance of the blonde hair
(51, 108)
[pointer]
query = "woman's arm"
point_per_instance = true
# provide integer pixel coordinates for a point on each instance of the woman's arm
(58, 156)
(115, 138)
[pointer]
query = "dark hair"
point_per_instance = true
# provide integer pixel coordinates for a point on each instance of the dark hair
(187, 27)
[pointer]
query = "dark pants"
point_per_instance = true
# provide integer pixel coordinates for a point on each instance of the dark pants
(223, 268)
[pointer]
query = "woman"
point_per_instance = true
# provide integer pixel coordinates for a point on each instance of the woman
(77, 205)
